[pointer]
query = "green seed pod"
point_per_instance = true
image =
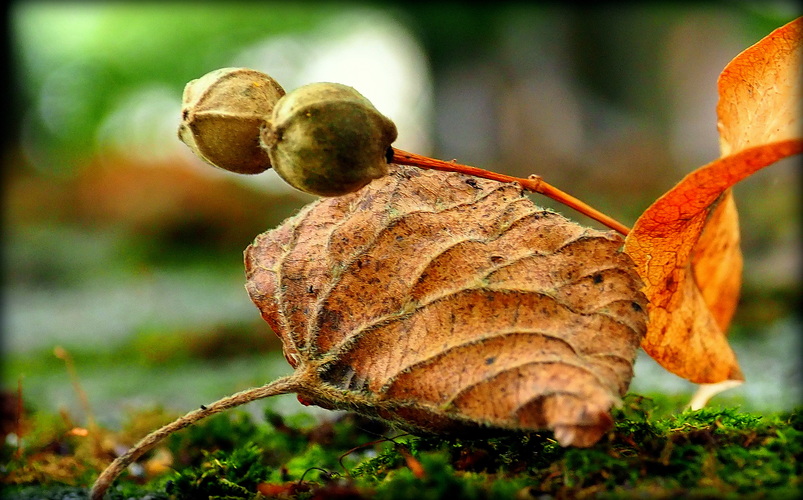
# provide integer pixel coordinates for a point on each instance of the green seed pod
(327, 139)
(222, 114)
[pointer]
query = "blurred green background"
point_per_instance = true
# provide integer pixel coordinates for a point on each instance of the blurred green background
(125, 250)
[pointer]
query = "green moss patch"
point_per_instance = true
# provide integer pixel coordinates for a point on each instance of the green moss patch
(651, 453)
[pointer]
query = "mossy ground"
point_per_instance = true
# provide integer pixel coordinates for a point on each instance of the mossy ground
(651, 453)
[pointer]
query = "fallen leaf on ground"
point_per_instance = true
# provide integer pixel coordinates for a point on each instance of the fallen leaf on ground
(686, 245)
(447, 303)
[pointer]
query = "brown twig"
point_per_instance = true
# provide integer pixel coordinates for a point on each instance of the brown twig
(534, 184)
(83, 399)
(18, 416)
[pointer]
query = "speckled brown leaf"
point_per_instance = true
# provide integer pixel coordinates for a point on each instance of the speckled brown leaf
(446, 303)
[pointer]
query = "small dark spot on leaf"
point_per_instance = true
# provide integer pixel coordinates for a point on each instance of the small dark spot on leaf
(490, 361)
(671, 283)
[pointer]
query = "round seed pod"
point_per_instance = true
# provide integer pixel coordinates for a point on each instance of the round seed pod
(222, 114)
(327, 139)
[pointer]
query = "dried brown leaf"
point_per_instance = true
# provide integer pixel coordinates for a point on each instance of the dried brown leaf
(448, 303)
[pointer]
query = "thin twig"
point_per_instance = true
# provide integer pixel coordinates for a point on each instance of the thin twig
(83, 399)
(534, 184)
(19, 415)
(283, 385)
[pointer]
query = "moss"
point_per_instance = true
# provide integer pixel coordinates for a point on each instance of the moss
(234, 474)
(439, 480)
(653, 452)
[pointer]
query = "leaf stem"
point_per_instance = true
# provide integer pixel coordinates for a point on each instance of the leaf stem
(534, 184)
(282, 385)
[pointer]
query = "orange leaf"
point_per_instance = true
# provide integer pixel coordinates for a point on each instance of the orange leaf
(686, 245)
(717, 261)
(759, 92)
(758, 104)
(683, 334)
